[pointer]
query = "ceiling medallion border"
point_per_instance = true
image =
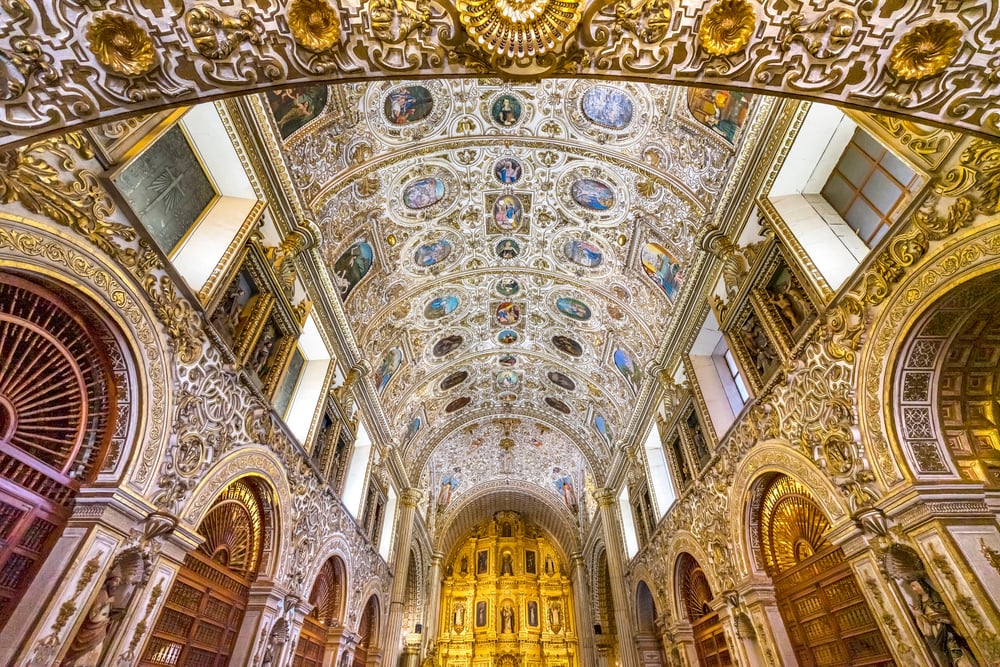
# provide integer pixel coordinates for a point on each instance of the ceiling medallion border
(641, 112)
(377, 96)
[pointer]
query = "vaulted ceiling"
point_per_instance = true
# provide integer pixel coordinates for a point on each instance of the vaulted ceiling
(509, 256)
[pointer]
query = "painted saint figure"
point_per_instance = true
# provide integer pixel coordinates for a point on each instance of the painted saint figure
(448, 485)
(507, 618)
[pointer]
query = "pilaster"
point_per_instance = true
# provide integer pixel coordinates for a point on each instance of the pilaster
(393, 639)
(615, 548)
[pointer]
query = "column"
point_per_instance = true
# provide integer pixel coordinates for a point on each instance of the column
(260, 630)
(615, 548)
(584, 623)
(392, 641)
(432, 611)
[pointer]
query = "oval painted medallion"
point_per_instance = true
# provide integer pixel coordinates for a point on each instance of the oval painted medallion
(592, 194)
(573, 308)
(430, 254)
(453, 380)
(608, 107)
(423, 192)
(441, 306)
(568, 345)
(583, 253)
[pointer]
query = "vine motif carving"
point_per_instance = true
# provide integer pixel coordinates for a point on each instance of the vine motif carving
(215, 34)
(992, 555)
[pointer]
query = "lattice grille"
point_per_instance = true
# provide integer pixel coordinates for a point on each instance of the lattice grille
(793, 525)
(233, 530)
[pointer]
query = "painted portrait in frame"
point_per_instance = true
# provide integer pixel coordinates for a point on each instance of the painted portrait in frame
(293, 108)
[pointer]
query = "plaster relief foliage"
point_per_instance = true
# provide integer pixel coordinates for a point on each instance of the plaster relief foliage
(144, 57)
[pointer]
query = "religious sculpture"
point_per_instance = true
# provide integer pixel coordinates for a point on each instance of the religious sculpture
(507, 618)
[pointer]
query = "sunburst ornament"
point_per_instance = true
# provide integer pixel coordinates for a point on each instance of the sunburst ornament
(120, 44)
(726, 27)
(925, 50)
(519, 28)
(315, 25)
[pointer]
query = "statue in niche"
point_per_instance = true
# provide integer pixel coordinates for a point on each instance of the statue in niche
(930, 615)
(555, 617)
(758, 346)
(458, 617)
(262, 352)
(507, 618)
(464, 567)
(507, 565)
(227, 316)
(788, 299)
(533, 614)
(550, 565)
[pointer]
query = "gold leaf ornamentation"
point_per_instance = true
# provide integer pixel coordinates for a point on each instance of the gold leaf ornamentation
(215, 34)
(120, 44)
(727, 27)
(315, 25)
(925, 50)
(519, 28)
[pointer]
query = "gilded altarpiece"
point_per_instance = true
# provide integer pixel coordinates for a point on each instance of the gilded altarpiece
(507, 600)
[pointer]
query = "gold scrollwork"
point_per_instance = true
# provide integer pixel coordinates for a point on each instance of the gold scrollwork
(315, 25)
(392, 21)
(727, 26)
(826, 36)
(648, 20)
(120, 44)
(519, 28)
(925, 50)
(215, 34)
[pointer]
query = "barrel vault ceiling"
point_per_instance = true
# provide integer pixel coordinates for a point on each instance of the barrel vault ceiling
(508, 256)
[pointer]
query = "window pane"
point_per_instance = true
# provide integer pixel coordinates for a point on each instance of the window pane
(882, 231)
(863, 218)
(897, 168)
(882, 192)
(868, 144)
(838, 193)
(741, 388)
(854, 166)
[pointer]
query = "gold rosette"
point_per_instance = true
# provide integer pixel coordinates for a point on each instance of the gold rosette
(120, 44)
(727, 27)
(519, 28)
(925, 50)
(315, 24)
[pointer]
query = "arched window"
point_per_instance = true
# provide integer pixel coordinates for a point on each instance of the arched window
(63, 392)
(205, 606)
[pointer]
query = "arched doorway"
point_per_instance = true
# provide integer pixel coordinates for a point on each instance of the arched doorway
(203, 611)
(368, 632)
(63, 392)
(827, 618)
(646, 638)
(605, 625)
(327, 599)
(696, 596)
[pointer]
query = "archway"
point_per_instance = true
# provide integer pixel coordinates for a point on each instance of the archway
(327, 598)
(204, 609)
(819, 599)
(605, 625)
(368, 630)
(696, 596)
(647, 639)
(64, 389)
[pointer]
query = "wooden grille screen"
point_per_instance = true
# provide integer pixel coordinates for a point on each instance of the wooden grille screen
(827, 618)
(709, 637)
(203, 611)
(57, 394)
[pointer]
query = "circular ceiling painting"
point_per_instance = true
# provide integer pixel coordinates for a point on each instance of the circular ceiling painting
(457, 404)
(506, 110)
(441, 306)
(430, 254)
(507, 379)
(453, 380)
(508, 286)
(508, 313)
(423, 192)
(561, 380)
(447, 345)
(508, 249)
(507, 171)
(583, 253)
(608, 107)
(508, 336)
(592, 194)
(558, 405)
(407, 105)
(568, 345)
(573, 308)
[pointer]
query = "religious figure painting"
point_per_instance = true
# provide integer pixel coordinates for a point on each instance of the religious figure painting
(785, 294)
(662, 268)
(412, 428)
(608, 107)
(423, 192)
(449, 482)
(391, 362)
(506, 110)
(573, 308)
(457, 404)
(507, 215)
(529, 562)
(561, 380)
(508, 286)
(507, 379)
(508, 337)
(557, 405)
(593, 194)
(430, 254)
(440, 306)
(601, 426)
(351, 267)
(533, 614)
(563, 483)
(453, 380)
(481, 606)
(567, 345)
(507, 170)
(508, 248)
(482, 562)
(408, 104)
(166, 188)
(293, 108)
(724, 111)
(508, 313)
(626, 366)
(447, 345)
(583, 253)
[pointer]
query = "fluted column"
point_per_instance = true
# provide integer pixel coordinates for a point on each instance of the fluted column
(584, 623)
(432, 611)
(404, 532)
(615, 548)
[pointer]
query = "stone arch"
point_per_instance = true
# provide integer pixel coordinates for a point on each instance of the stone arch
(645, 608)
(327, 595)
(336, 546)
(685, 543)
(602, 602)
(33, 249)
(261, 463)
(369, 629)
(766, 458)
(969, 255)
(413, 599)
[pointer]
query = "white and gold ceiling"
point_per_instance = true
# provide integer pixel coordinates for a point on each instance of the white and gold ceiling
(508, 256)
